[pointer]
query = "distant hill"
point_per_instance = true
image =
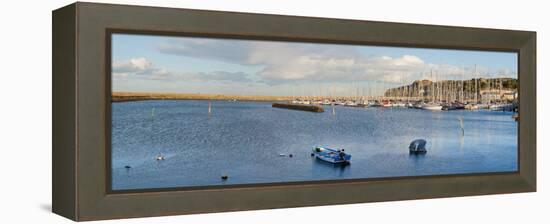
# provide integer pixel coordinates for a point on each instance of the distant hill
(452, 88)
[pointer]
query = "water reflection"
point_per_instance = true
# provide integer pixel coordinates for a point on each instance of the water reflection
(417, 158)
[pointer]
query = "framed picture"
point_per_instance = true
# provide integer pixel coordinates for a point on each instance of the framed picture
(201, 111)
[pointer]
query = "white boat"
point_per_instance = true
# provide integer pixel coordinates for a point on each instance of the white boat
(350, 104)
(483, 106)
(399, 104)
(501, 107)
(317, 102)
(432, 106)
(471, 106)
(374, 104)
(301, 102)
(326, 102)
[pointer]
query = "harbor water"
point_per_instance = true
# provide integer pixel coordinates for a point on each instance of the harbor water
(250, 142)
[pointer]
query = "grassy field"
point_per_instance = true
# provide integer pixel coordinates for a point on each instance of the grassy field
(135, 96)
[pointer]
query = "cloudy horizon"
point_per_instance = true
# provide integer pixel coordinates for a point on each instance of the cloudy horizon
(145, 63)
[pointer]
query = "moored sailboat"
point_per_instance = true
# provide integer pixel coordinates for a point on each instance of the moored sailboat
(432, 106)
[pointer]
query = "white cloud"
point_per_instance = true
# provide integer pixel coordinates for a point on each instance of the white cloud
(283, 62)
(226, 51)
(326, 68)
(287, 62)
(142, 68)
(220, 76)
(137, 67)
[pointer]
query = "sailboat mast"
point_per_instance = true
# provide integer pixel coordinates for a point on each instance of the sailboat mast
(475, 82)
(433, 86)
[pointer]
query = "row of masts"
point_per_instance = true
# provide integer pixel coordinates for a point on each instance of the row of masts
(476, 90)
(463, 91)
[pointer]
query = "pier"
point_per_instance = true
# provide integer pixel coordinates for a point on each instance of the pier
(309, 108)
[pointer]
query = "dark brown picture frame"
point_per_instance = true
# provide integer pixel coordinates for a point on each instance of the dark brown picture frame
(81, 111)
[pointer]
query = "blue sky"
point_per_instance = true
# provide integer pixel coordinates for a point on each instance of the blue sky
(145, 63)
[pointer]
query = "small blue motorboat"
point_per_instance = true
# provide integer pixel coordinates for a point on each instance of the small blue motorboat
(337, 156)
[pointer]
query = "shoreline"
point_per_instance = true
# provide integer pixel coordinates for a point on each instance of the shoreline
(139, 96)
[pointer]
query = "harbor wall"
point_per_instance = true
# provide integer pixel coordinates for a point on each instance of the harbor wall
(309, 108)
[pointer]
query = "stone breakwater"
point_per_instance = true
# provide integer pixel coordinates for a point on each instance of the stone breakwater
(309, 108)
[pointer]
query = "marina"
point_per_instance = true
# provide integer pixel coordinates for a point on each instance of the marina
(498, 94)
(243, 141)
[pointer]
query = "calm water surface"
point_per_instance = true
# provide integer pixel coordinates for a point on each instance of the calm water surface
(244, 140)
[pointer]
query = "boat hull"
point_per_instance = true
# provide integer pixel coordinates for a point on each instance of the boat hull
(331, 155)
(502, 107)
(330, 160)
(432, 107)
